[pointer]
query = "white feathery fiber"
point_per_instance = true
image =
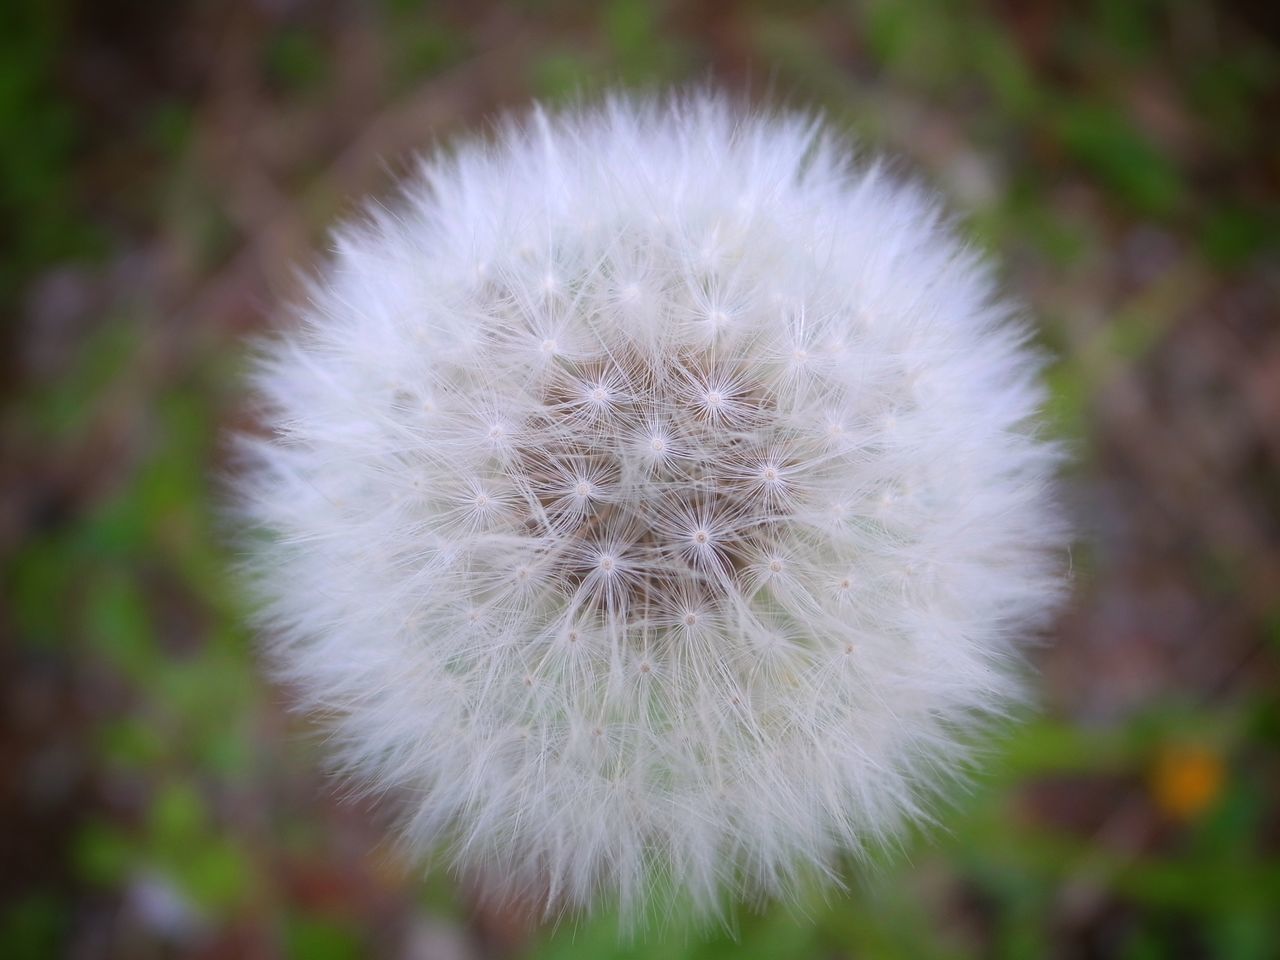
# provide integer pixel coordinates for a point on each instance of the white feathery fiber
(653, 495)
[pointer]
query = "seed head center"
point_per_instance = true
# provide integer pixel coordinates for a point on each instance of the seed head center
(637, 530)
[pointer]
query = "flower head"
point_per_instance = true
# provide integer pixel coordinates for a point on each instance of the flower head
(652, 492)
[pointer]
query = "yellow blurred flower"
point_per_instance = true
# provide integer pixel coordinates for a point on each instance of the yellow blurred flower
(1187, 779)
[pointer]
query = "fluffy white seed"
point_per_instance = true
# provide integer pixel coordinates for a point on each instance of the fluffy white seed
(652, 492)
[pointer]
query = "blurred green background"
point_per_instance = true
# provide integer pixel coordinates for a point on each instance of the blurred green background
(167, 168)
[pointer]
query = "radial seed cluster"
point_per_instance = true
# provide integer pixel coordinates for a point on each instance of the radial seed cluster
(652, 493)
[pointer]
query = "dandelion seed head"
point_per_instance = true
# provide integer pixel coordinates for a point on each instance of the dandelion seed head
(610, 524)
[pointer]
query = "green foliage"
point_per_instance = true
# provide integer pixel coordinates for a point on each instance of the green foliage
(423, 46)
(295, 61)
(561, 75)
(1105, 141)
(320, 938)
(33, 927)
(39, 130)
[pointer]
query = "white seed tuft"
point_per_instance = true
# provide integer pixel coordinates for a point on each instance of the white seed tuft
(653, 492)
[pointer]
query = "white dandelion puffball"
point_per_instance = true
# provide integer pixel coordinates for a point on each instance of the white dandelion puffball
(653, 498)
